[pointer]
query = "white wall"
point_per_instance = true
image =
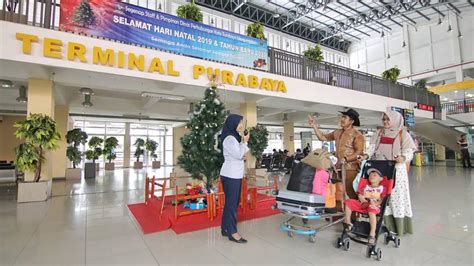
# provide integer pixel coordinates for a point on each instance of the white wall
(429, 48)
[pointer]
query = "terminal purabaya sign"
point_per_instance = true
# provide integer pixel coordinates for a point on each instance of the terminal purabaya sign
(79, 52)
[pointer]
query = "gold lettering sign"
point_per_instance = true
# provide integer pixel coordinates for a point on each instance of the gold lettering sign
(78, 52)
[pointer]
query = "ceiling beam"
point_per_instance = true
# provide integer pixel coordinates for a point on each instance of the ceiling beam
(265, 17)
(437, 11)
(423, 15)
(455, 8)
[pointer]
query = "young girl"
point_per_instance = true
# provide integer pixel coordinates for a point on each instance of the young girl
(370, 198)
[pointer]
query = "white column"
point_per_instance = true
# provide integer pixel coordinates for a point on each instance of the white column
(126, 146)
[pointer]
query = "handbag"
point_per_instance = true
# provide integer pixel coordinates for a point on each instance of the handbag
(320, 182)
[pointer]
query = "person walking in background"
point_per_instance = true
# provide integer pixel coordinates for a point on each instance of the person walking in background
(393, 142)
(234, 148)
(306, 150)
(349, 146)
(465, 157)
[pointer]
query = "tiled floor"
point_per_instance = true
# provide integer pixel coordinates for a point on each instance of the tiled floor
(89, 223)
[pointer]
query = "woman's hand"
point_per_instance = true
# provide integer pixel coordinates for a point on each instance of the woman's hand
(362, 157)
(246, 138)
(400, 159)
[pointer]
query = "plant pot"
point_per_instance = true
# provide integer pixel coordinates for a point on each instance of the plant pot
(34, 191)
(156, 165)
(89, 171)
(97, 167)
(109, 166)
(138, 165)
(73, 173)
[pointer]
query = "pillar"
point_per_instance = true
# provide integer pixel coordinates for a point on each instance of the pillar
(289, 137)
(440, 152)
(41, 101)
(178, 133)
(61, 116)
(249, 111)
(126, 146)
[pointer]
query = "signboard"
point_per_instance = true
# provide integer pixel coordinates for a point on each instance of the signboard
(425, 107)
(409, 117)
(136, 25)
(306, 137)
(398, 109)
(407, 114)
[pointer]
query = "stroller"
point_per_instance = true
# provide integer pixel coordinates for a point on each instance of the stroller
(360, 230)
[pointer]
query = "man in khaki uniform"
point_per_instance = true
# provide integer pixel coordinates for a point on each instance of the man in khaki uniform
(349, 147)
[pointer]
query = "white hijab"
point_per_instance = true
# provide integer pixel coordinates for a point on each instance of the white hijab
(396, 131)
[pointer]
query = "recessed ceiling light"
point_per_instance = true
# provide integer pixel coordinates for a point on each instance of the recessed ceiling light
(6, 83)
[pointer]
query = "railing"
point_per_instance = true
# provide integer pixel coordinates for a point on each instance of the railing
(459, 107)
(45, 14)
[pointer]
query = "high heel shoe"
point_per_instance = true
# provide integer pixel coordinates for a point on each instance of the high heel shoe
(240, 241)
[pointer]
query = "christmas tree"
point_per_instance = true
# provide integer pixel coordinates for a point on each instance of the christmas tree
(199, 156)
(84, 15)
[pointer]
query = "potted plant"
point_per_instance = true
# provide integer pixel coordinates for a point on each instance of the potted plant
(94, 152)
(151, 147)
(110, 145)
(139, 151)
(258, 142)
(391, 74)
(74, 138)
(255, 30)
(421, 85)
(314, 53)
(41, 135)
(190, 11)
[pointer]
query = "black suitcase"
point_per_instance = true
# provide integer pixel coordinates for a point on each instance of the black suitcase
(301, 179)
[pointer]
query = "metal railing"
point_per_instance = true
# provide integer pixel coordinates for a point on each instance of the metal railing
(45, 14)
(459, 107)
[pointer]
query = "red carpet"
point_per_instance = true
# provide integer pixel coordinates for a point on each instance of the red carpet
(148, 217)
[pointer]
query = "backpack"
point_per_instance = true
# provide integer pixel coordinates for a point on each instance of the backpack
(319, 159)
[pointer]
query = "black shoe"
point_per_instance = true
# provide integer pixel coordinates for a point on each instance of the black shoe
(224, 233)
(240, 241)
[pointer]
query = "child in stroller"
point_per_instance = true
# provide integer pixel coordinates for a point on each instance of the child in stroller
(374, 189)
(370, 199)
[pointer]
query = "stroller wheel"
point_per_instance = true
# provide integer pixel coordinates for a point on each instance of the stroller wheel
(312, 239)
(397, 242)
(379, 254)
(290, 234)
(338, 242)
(387, 238)
(368, 253)
(346, 244)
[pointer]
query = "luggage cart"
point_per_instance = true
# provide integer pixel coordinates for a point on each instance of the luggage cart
(292, 227)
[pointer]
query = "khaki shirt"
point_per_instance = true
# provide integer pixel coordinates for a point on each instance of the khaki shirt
(349, 144)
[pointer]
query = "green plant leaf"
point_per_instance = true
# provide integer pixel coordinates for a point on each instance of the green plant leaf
(190, 11)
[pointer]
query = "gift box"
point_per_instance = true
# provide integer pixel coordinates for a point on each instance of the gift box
(197, 206)
(194, 205)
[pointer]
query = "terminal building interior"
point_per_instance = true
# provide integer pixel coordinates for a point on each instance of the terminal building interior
(116, 118)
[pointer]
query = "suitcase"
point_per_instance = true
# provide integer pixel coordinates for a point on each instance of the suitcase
(301, 179)
(300, 202)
